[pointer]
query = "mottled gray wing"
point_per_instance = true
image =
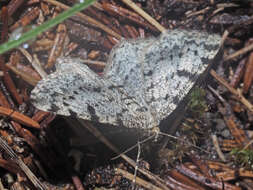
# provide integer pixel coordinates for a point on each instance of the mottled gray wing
(75, 90)
(123, 66)
(124, 69)
(166, 68)
(173, 64)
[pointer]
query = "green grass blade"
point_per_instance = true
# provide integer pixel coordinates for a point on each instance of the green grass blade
(31, 34)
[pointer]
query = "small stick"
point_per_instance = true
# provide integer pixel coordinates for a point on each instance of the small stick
(31, 15)
(230, 174)
(248, 77)
(137, 164)
(222, 6)
(14, 5)
(9, 83)
(34, 61)
(248, 144)
(224, 37)
(94, 63)
(4, 29)
(238, 74)
(1, 185)
(127, 14)
(77, 182)
(40, 115)
(98, 6)
(57, 48)
(25, 76)
(37, 66)
(3, 100)
(203, 180)
(144, 15)
(239, 52)
(139, 181)
(217, 148)
(19, 117)
(239, 134)
(88, 19)
(202, 11)
(237, 93)
(36, 182)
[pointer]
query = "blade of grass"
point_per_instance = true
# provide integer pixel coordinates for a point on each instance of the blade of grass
(45, 26)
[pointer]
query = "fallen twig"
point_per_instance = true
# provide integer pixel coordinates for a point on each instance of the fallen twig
(239, 52)
(217, 148)
(235, 92)
(138, 180)
(19, 117)
(88, 19)
(36, 182)
(144, 15)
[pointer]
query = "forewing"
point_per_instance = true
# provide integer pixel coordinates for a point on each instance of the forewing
(173, 64)
(160, 72)
(75, 90)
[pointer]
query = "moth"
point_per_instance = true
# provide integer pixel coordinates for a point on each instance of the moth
(142, 84)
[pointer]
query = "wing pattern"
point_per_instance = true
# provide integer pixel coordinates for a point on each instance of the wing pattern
(143, 82)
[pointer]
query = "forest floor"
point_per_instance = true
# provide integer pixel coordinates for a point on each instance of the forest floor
(211, 146)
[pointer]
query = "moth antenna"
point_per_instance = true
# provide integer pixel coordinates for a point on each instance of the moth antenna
(134, 146)
(182, 140)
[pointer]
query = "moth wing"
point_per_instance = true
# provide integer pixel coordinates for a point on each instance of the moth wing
(172, 65)
(160, 72)
(123, 67)
(75, 90)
